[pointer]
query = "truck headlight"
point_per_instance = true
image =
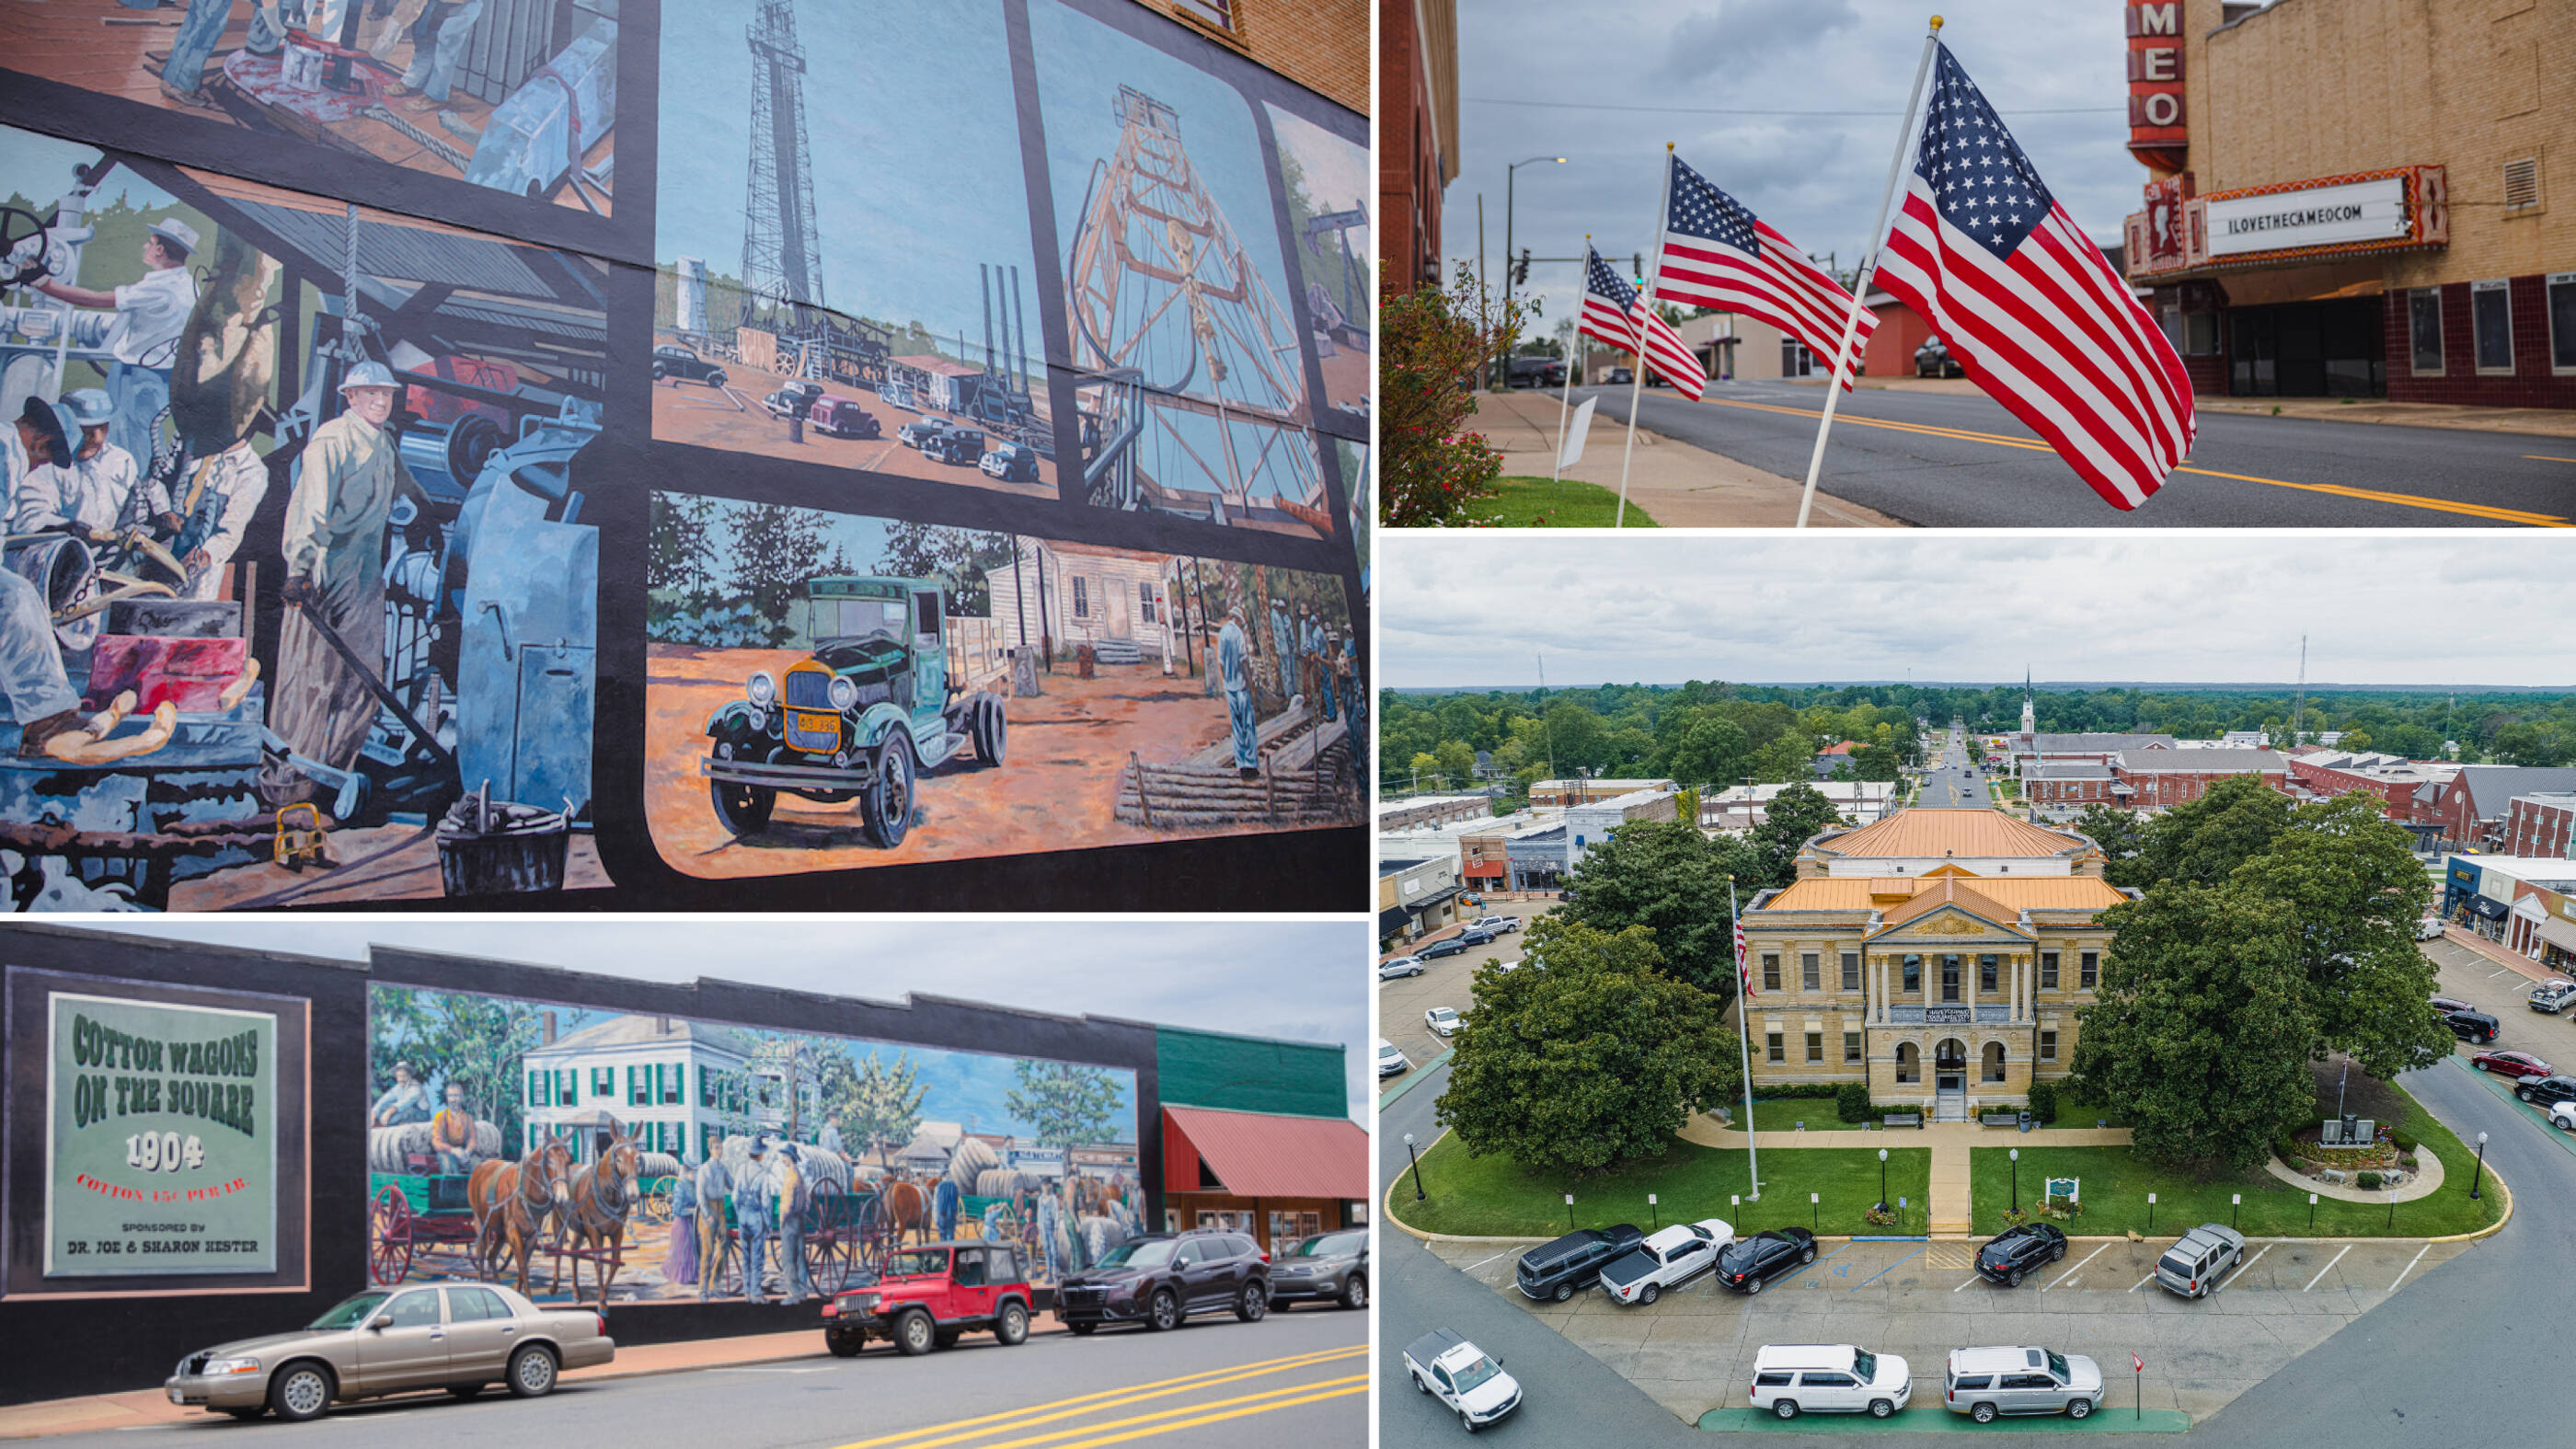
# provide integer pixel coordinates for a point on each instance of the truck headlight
(762, 689)
(222, 1366)
(845, 691)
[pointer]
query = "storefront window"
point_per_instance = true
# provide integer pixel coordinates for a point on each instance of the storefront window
(2424, 324)
(2491, 323)
(2562, 321)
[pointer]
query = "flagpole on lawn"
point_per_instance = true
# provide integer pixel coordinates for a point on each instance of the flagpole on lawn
(1744, 1038)
(1868, 269)
(1646, 303)
(1574, 348)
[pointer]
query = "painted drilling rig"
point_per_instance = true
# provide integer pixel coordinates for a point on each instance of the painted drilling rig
(1194, 399)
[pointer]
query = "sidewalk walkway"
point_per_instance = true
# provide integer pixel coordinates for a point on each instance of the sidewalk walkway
(142, 1408)
(1951, 1203)
(2539, 422)
(1678, 485)
(2495, 951)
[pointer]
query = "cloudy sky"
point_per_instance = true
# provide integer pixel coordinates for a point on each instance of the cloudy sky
(1476, 609)
(1606, 84)
(1295, 980)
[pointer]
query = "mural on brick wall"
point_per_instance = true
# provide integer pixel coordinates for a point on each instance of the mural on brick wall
(580, 1154)
(831, 691)
(516, 95)
(300, 601)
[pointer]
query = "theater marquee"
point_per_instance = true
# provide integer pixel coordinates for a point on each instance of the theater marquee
(2361, 211)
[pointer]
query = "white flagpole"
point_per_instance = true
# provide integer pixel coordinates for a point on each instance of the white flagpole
(1744, 1038)
(1574, 349)
(1645, 303)
(1868, 269)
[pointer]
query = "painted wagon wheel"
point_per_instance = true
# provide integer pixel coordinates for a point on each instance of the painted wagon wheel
(828, 1246)
(389, 1238)
(872, 1235)
(655, 1209)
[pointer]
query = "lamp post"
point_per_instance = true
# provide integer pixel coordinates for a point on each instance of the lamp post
(2015, 1155)
(2481, 1171)
(1510, 178)
(1417, 1166)
(1882, 1179)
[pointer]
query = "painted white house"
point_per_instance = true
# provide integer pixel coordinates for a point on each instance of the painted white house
(1119, 601)
(675, 1085)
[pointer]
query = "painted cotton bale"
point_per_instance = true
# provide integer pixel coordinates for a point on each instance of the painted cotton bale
(972, 1159)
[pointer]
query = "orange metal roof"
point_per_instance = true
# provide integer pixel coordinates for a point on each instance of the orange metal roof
(2031, 893)
(1258, 1155)
(1929, 834)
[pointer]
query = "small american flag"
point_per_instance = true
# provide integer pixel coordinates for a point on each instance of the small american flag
(1718, 254)
(1743, 970)
(2030, 306)
(1611, 308)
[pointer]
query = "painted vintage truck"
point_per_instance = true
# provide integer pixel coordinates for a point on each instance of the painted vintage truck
(858, 719)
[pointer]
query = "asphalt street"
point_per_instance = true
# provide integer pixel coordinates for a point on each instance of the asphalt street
(1291, 1381)
(1949, 460)
(1951, 783)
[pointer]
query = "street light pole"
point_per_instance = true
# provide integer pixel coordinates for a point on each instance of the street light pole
(2476, 1176)
(1510, 178)
(1417, 1166)
(1882, 1179)
(2015, 1155)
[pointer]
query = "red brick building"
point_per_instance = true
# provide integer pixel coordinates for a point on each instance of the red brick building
(2072, 782)
(1901, 329)
(2395, 780)
(1417, 135)
(2543, 824)
(2156, 779)
(2472, 808)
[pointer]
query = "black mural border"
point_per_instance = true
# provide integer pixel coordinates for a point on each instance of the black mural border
(91, 118)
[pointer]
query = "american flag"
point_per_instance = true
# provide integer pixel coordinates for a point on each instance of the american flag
(1743, 970)
(2030, 306)
(1610, 310)
(1717, 254)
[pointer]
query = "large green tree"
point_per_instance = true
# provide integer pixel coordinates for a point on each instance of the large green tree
(1063, 1103)
(883, 1108)
(2204, 841)
(2122, 837)
(1794, 817)
(1663, 875)
(1595, 1059)
(1714, 750)
(2201, 1026)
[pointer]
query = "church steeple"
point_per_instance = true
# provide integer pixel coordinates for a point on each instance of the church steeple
(2029, 710)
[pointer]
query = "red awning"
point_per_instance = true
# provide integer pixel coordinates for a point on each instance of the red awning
(1256, 1154)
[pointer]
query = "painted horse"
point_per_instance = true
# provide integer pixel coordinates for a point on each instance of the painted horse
(595, 1210)
(511, 1203)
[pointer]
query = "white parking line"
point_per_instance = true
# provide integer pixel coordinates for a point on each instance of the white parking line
(2329, 1267)
(2221, 1285)
(2143, 1282)
(2410, 1266)
(2494, 974)
(2078, 1268)
(1973, 1278)
(1472, 1267)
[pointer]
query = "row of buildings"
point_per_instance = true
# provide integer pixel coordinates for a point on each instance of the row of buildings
(2525, 903)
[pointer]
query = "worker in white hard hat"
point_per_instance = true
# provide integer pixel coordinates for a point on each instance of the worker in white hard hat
(345, 484)
(150, 313)
(97, 492)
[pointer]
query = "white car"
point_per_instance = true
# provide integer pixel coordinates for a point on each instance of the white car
(1458, 1374)
(1667, 1259)
(1399, 966)
(1391, 1060)
(1443, 1020)
(2429, 929)
(1829, 1378)
(2562, 1115)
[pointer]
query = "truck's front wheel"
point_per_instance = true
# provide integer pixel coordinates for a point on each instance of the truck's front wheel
(742, 809)
(886, 804)
(988, 729)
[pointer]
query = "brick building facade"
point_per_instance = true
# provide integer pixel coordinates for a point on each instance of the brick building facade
(1322, 45)
(2365, 198)
(2398, 782)
(2162, 778)
(2473, 806)
(1417, 135)
(2542, 824)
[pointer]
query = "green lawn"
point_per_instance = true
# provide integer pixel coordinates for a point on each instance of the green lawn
(1817, 1112)
(1494, 1197)
(2116, 1183)
(1523, 502)
(2072, 1113)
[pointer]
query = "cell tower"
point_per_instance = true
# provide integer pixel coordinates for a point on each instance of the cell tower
(782, 258)
(1201, 380)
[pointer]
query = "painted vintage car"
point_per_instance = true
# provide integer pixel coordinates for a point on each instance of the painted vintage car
(859, 719)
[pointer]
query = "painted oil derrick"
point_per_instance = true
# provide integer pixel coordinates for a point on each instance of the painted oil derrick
(1198, 383)
(782, 255)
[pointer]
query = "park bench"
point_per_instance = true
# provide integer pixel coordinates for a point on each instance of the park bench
(1902, 1119)
(2000, 1119)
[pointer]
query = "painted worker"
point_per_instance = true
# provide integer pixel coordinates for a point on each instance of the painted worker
(1234, 662)
(1283, 640)
(214, 506)
(944, 1203)
(751, 1220)
(35, 693)
(1354, 692)
(405, 1102)
(451, 1133)
(144, 338)
(99, 493)
(830, 1138)
(345, 485)
(680, 1260)
(788, 1194)
(438, 40)
(1328, 645)
(34, 440)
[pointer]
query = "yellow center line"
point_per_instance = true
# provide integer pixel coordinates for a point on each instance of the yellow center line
(1102, 1399)
(1213, 1418)
(2403, 500)
(1166, 1420)
(2545, 458)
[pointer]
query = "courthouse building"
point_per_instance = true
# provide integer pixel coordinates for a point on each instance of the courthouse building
(2356, 198)
(1939, 955)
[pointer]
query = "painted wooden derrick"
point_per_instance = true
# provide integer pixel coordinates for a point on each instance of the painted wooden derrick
(1305, 779)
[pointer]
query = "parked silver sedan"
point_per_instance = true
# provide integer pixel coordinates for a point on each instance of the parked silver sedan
(460, 1337)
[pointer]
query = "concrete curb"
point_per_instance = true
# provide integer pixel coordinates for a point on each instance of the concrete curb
(1413, 1080)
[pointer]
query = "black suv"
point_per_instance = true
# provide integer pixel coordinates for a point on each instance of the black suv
(2019, 1251)
(1556, 1270)
(1159, 1279)
(1747, 1263)
(2546, 1092)
(682, 365)
(2474, 1026)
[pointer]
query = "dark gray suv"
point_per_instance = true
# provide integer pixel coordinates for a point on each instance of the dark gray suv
(1326, 1266)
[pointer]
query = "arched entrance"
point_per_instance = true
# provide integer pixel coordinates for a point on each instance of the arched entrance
(1950, 1065)
(1909, 1062)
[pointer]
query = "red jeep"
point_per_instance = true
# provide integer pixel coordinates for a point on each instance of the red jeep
(928, 1295)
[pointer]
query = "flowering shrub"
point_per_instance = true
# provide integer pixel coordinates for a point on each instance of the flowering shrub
(1432, 345)
(1878, 1217)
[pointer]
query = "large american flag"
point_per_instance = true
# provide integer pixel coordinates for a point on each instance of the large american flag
(2030, 306)
(1611, 309)
(1717, 254)
(1743, 968)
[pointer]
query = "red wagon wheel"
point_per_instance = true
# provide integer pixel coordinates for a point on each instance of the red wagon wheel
(871, 1233)
(390, 1236)
(829, 1242)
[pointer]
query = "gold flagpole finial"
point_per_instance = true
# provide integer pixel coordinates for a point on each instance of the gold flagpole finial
(1668, 148)
(1936, 24)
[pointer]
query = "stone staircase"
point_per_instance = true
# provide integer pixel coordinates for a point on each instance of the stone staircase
(1951, 1107)
(1117, 651)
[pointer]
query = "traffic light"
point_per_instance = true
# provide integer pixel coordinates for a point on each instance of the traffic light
(1520, 269)
(1637, 267)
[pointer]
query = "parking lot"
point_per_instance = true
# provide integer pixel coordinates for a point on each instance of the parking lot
(1693, 1351)
(1444, 982)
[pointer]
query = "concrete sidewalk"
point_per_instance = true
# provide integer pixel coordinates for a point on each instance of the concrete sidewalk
(2494, 951)
(2539, 422)
(1678, 485)
(140, 1408)
(1951, 1202)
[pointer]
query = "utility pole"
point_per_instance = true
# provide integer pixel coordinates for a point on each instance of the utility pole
(1480, 258)
(2299, 711)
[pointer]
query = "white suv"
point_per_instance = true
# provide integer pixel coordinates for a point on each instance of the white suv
(1829, 1378)
(1391, 1059)
(1985, 1382)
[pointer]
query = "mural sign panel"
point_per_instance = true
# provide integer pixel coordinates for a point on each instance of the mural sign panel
(703, 1160)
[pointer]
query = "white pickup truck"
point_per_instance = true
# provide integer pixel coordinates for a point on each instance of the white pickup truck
(1666, 1259)
(1458, 1374)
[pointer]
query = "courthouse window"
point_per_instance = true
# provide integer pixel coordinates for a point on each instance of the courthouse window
(1815, 1046)
(1807, 972)
(1986, 973)
(2092, 971)
(2048, 1046)
(1851, 1046)
(1851, 971)
(1771, 1048)
(1913, 974)
(2491, 323)
(2424, 325)
(2048, 971)
(1770, 973)
(2562, 322)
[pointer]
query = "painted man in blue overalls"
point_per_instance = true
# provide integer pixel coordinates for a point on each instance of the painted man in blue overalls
(1234, 662)
(751, 1221)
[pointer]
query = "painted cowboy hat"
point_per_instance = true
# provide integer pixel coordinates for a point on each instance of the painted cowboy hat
(177, 233)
